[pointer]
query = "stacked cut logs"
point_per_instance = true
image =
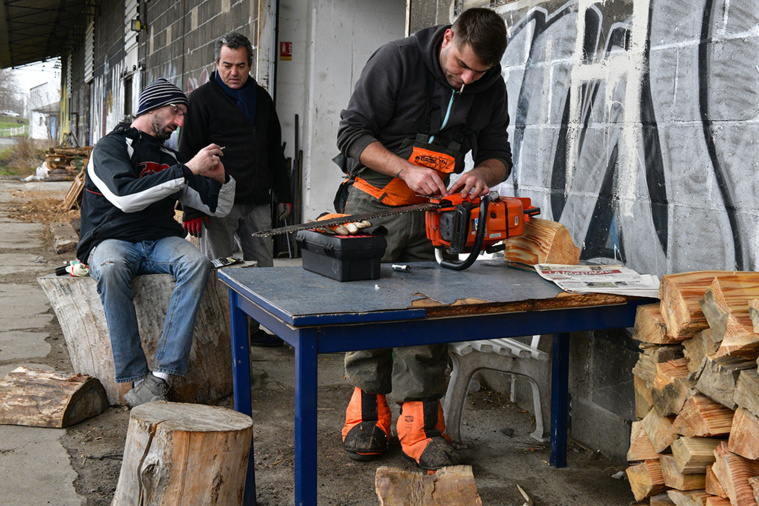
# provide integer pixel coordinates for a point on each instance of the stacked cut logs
(67, 161)
(696, 440)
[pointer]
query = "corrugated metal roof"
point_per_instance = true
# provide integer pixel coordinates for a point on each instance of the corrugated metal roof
(34, 30)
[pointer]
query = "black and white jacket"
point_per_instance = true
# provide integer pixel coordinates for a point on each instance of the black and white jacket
(132, 185)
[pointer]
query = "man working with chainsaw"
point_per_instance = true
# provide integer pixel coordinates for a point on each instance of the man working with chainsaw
(420, 105)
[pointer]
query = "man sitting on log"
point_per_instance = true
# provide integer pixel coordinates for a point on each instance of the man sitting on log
(127, 228)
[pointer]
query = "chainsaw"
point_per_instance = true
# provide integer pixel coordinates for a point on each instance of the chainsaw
(451, 223)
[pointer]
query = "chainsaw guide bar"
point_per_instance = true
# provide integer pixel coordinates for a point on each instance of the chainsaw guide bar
(320, 225)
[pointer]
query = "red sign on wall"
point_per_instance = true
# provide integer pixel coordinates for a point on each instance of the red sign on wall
(286, 51)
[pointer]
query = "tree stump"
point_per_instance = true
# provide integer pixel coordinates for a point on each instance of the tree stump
(78, 308)
(184, 454)
(46, 399)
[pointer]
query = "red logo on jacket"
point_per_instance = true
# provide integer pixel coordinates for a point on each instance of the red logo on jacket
(151, 168)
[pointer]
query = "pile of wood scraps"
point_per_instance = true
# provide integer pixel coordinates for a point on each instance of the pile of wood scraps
(67, 161)
(696, 440)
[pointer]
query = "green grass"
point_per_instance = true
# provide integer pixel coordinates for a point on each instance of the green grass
(11, 122)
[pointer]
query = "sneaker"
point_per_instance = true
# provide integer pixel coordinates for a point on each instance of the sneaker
(367, 426)
(151, 389)
(421, 432)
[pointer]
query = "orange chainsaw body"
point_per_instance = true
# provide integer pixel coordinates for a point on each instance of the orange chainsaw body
(455, 227)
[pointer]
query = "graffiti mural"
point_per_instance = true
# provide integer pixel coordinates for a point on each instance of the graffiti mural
(633, 125)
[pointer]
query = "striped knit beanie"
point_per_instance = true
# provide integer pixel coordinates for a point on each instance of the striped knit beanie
(158, 94)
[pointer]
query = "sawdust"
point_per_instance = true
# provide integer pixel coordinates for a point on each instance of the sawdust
(39, 207)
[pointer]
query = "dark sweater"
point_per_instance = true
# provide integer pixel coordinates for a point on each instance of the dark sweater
(390, 98)
(252, 154)
(131, 187)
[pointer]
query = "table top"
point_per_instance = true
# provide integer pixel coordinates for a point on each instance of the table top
(300, 297)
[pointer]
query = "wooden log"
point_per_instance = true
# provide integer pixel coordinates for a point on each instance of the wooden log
(754, 482)
(641, 447)
(671, 387)
(753, 311)
(716, 501)
(680, 295)
(693, 455)
(726, 308)
(73, 196)
(697, 348)
(45, 399)
(646, 367)
(80, 313)
(645, 479)
(744, 435)
(542, 242)
(688, 498)
(719, 377)
(733, 473)
(179, 453)
(650, 327)
(449, 485)
(713, 486)
(661, 500)
(702, 417)
(673, 478)
(643, 400)
(746, 392)
(659, 430)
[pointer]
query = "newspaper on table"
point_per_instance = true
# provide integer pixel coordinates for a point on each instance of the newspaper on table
(600, 279)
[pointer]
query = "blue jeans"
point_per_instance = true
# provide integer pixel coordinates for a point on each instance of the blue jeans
(113, 264)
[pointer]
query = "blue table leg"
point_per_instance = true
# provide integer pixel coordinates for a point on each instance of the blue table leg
(241, 382)
(559, 399)
(305, 417)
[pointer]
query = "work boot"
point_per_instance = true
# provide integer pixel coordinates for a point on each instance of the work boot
(151, 389)
(420, 429)
(367, 426)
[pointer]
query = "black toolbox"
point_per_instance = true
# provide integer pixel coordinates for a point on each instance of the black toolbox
(341, 257)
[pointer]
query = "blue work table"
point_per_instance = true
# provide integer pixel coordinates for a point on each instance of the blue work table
(429, 304)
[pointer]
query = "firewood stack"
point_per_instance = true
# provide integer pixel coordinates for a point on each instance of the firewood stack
(67, 161)
(696, 441)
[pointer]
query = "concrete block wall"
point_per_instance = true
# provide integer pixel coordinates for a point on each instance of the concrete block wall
(632, 123)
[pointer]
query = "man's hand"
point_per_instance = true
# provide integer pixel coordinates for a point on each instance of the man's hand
(350, 228)
(421, 180)
(283, 210)
(194, 226)
(207, 162)
(477, 182)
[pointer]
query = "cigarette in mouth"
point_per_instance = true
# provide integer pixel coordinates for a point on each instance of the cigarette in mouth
(462, 88)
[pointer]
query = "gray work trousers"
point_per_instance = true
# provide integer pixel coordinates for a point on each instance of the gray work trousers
(409, 372)
(219, 236)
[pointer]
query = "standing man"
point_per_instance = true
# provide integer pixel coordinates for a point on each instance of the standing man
(420, 105)
(233, 111)
(128, 228)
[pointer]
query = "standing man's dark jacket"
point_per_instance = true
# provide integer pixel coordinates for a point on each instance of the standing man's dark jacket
(252, 153)
(131, 188)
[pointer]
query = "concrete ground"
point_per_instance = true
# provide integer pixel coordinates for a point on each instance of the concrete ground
(80, 464)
